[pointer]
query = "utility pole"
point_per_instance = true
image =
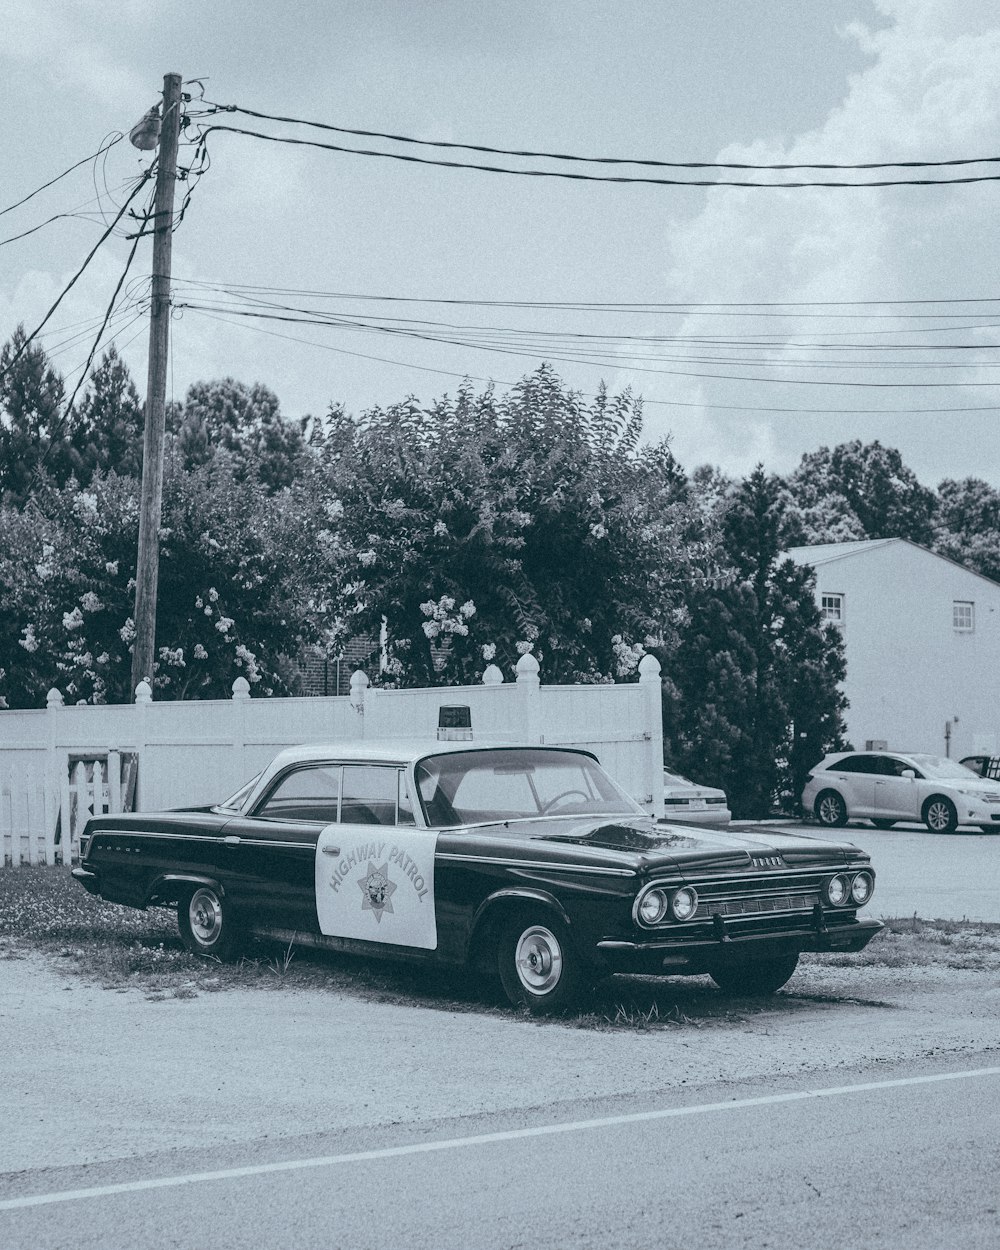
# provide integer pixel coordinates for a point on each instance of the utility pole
(148, 562)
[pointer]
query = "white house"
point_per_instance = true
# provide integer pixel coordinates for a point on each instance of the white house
(922, 638)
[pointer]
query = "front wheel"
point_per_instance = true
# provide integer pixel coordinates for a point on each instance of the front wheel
(940, 815)
(206, 924)
(762, 976)
(830, 809)
(539, 967)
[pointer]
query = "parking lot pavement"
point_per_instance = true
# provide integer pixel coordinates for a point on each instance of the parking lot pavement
(936, 876)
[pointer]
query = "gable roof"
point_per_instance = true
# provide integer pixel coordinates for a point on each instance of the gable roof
(828, 553)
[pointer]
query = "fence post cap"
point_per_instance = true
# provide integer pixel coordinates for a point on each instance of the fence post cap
(649, 668)
(241, 688)
(359, 680)
(144, 692)
(527, 668)
(492, 676)
(54, 698)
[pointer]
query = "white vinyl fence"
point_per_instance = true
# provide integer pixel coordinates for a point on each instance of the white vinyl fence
(59, 765)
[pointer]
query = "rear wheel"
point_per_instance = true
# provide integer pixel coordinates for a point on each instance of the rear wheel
(879, 823)
(206, 924)
(940, 815)
(762, 976)
(830, 809)
(539, 966)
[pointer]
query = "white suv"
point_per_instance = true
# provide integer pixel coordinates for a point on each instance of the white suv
(887, 786)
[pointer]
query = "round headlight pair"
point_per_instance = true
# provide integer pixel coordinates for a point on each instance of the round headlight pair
(842, 891)
(658, 903)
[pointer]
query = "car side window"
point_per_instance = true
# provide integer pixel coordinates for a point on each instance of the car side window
(305, 794)
(898, 767)
(370, 795)
(855, 764)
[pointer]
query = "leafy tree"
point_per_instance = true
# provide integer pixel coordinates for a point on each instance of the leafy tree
(245, 580)
(33, 447)
(858, 490)
(106, 430)
(968, 527)
(242, 424)
(482, 528)
(753, 700)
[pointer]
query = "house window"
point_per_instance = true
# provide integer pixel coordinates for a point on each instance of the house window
(831, 608)
(963, 617)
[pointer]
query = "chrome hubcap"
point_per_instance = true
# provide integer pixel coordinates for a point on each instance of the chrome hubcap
(538, 960)
(205, 916)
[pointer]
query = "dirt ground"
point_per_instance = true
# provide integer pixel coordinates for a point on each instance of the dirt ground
(89, 1074)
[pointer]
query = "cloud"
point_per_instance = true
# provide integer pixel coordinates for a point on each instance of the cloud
(932, 91)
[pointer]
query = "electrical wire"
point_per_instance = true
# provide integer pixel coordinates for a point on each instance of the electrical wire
(601, 160)
(52, 181)
(397, 331)
(559, 173)
(909, 410)
(72, 282)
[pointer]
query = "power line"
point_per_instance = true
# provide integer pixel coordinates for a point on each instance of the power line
(52, 181)
(572, 177)
(601, 160)
(403, 332)
(69, 285)
(659, 403)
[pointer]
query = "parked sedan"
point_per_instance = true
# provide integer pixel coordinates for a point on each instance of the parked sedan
(886, 787)
(526, 862)
(690, 804)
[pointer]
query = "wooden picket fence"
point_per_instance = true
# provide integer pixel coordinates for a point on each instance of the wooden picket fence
(89, 787)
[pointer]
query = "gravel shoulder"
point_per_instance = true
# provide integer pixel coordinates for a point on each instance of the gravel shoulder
(93, 1074)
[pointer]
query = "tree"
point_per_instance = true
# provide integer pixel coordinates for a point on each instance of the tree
(245, 580)
(242, 424)
(753, 700)
(33, 445)
(479, 529)
(855, 491)
(968, 525)
(106, 430)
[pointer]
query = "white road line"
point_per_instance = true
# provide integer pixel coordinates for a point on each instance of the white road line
(484, 1139)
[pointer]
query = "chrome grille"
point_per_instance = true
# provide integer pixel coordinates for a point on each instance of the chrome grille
(754, 896)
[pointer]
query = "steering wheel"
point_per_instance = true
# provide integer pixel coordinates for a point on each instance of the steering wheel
(566, 794)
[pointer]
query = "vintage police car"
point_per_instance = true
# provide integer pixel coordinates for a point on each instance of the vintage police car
(527, 861)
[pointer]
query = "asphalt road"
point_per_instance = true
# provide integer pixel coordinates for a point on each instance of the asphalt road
(890, 1157)
(937, 876)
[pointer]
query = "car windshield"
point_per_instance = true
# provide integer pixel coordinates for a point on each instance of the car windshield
(479, 787)
(675, 779)
(237, 801)
(938, 766)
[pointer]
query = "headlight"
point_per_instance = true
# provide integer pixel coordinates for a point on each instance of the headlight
(836, 890)
(683, 903)
(862, 887)
(653, 906)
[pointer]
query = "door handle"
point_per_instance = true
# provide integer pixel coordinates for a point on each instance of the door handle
(231, 839)
(331, 850)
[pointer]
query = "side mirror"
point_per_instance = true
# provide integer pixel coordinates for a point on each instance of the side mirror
(908, 772)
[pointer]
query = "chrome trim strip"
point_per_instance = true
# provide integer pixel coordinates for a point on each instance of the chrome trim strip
(213, 839)
(455, 857)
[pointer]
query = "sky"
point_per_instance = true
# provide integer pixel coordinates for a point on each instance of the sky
(770, 322)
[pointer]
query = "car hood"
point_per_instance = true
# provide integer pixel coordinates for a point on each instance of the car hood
(684, 846)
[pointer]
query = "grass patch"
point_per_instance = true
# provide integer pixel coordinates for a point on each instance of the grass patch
(44, 909)
(909, 942)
